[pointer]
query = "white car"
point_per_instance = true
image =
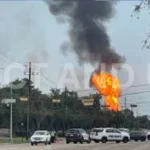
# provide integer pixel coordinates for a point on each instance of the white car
(40, 136)
(109, 134)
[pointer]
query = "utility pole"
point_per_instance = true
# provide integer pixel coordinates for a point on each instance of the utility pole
(99, 103)
(11, 120)
(125, 103)
(28, 105)
(65, 107)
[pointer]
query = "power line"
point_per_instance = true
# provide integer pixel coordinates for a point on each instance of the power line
(16, 60)
(10, 57)
(135, 93)
(49, 85)
(84, 90)
(140, 85)
(48, 79)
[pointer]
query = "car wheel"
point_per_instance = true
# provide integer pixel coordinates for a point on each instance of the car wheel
(143, 139)
(125, 140)
(49, 142)
(46, 143)
(67, 141)
(96, 141)
(117, 141)
(35, 143)
(81, 141)
(89, 141)
(75, 142)
(135, 140)
(104, 140)
(32, 143)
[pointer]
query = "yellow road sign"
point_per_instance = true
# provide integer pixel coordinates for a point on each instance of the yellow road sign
(56, 101)
(88, 102)
(24, 98)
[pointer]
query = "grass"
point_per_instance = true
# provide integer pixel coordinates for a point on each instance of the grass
(16, 140)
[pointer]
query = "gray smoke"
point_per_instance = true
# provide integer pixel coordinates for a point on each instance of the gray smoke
(88, 36)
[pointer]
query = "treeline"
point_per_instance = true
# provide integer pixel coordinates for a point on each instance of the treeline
(70, 112)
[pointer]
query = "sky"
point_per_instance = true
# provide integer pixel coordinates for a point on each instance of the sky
(28, 32)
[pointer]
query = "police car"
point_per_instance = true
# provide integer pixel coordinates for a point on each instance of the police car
(109, 134)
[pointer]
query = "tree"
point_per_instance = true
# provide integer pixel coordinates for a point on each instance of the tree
(69, 113)
(137, 9)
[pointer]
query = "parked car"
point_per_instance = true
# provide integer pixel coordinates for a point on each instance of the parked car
(40, 136)
(77, 135)
(138, 136)
(109, 134)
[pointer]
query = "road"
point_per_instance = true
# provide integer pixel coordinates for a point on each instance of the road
(92, 146)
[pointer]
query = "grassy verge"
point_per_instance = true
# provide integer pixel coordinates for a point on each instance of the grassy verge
(16, 140)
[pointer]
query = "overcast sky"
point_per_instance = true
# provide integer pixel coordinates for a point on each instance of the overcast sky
(28, 32)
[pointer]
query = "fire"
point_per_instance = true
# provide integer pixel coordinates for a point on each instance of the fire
(109, 86)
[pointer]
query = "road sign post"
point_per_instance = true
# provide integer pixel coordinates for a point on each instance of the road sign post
(133, 106)
(10, 101)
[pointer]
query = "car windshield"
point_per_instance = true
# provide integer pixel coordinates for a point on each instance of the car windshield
(82, 131)
(137, 133)
(39, 133)
(72, 131)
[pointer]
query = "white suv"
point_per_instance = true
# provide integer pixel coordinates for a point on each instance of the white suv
(109, 134)
(40, 136)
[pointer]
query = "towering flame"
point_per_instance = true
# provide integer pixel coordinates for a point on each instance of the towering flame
(109, 86)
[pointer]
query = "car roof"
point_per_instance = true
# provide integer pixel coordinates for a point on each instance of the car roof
(137, 131)
(98, 128)
(104, 128)
(76, 129)
(41, 131)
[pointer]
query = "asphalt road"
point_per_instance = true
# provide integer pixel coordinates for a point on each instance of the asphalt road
(92, 146)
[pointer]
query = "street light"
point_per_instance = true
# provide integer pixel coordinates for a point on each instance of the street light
(10, 102)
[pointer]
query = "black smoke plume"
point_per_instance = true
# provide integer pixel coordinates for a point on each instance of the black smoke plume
(88, 36)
